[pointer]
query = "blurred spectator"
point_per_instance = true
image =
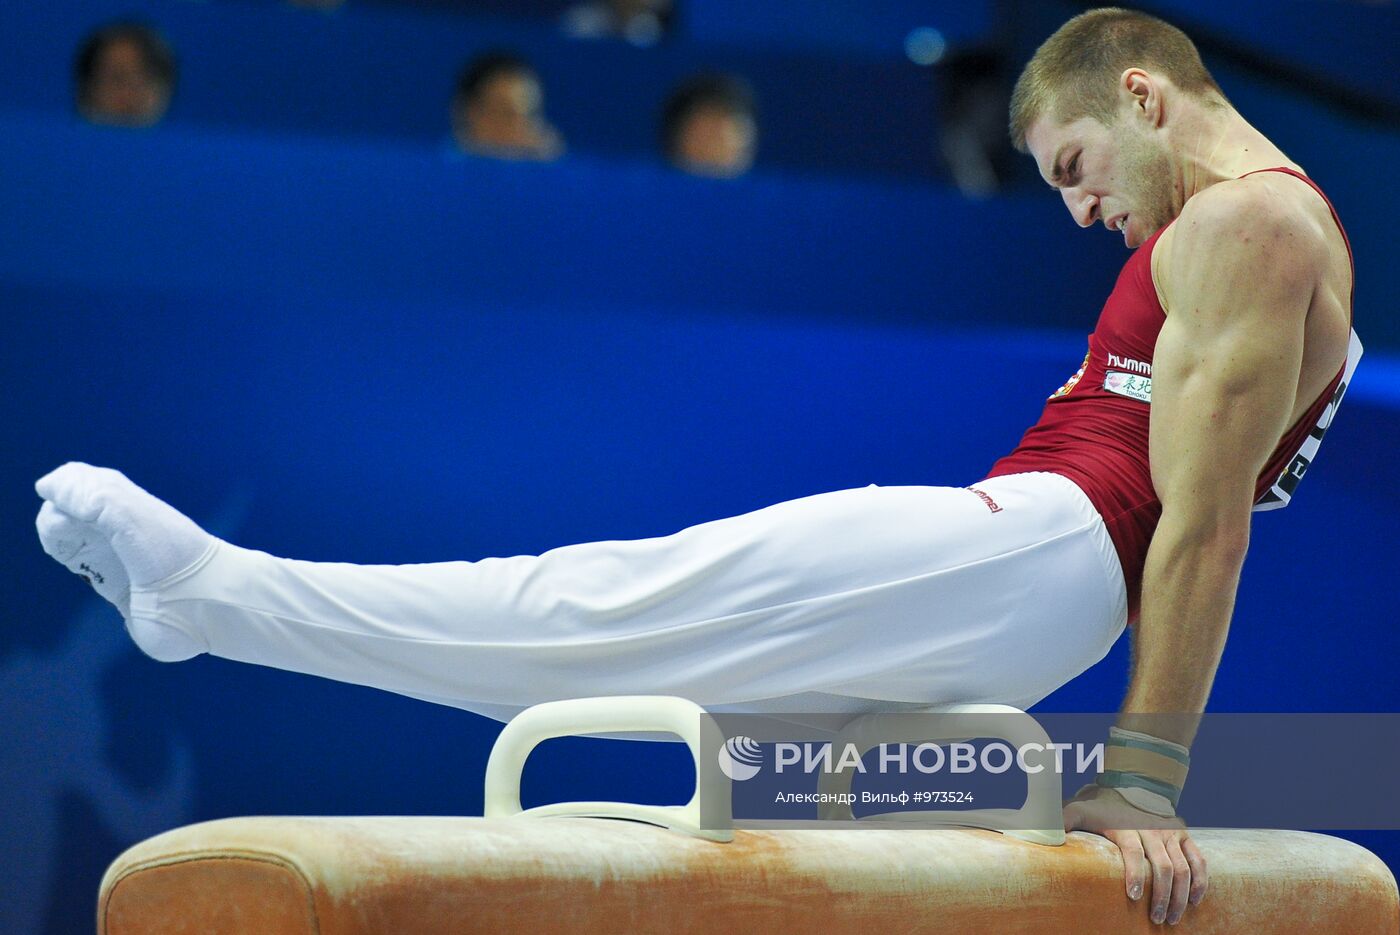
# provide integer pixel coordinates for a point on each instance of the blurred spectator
(640, 22)
(708, 126)
(975, 98)
(498, 110)
(124, 74)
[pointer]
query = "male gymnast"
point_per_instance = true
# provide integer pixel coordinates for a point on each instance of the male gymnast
(1230, 327)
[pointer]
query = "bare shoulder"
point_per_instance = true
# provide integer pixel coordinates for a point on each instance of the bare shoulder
(1243, 232)
(1264, 204)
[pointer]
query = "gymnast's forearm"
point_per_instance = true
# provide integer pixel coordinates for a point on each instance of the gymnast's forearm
(1188, 596)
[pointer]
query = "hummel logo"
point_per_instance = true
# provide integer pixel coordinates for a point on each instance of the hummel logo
(991, 504)
(1127, 363)
(95, 574)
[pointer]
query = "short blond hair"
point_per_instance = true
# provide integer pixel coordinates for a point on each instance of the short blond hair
(1075, 72)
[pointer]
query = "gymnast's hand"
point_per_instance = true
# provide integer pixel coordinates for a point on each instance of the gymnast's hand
(1149, 844)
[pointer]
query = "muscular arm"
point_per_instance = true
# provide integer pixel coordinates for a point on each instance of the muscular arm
(1237, 277)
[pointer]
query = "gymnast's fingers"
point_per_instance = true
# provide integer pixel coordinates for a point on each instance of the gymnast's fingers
(1181, 876)
(1163, 873)
(1135, 864)
(1200, 876)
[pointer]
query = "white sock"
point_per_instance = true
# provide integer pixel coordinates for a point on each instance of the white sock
(150, 540)
(80, 548)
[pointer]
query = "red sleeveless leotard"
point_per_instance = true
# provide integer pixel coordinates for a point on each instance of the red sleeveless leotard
(1093, 429)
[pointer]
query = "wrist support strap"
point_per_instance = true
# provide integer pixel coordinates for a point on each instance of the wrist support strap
(1147, 771)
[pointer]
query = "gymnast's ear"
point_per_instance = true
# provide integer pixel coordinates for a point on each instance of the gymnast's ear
(1141, 91)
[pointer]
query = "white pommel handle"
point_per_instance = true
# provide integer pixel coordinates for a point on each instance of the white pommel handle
(607, 715)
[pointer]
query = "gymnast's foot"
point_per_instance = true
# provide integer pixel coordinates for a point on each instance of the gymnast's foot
(80, 548)
(100, 525)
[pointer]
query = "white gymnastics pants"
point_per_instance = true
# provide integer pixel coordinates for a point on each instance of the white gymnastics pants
(852, 601)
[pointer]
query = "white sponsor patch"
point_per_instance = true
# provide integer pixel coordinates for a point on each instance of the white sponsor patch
(1132, 385)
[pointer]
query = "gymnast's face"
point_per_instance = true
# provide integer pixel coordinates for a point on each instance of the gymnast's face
(1119, 173)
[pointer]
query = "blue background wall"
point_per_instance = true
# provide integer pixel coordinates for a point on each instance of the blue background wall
(288, 311)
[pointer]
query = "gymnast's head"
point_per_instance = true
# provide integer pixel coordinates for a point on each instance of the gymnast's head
(1108, 106)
